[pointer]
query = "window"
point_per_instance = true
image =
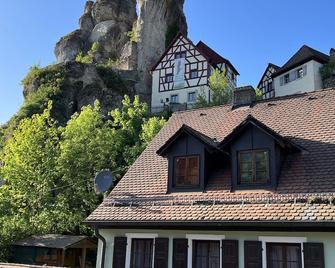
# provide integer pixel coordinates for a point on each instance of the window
(286, 78)
(180, 55)
(191, 97)
(186, 171)
(206, 254)
(174, 99)
(300, 73)
(253, 167)
(269, 87)
(141, 253)
(281, 255)
(194, 74)
(168, 78)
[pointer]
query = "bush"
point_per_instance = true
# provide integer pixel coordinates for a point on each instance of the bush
(88, 58)
(134, 35)
(111, 78)
(327, 70)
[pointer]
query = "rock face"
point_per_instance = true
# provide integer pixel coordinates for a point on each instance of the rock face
(133, 41)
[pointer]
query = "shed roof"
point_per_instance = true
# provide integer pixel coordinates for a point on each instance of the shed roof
(51, 241)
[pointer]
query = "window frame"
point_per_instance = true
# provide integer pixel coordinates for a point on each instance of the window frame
(254, 182)
(206, 237)
(130, 237)
(287, 78)
(194, 71)
(285, 245)
(194, 249)
(169, 78)
(299, 71)
(174, 96)
(281, 239)
(188, 96)
(174, 185)
(132, 255)
(180, 55)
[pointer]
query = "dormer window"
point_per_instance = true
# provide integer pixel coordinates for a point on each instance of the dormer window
(253, 167)
(186, 171)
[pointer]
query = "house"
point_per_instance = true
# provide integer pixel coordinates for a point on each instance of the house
(182, 73)
(246, 185)
(300, 74)
(266, 84)
(56, 250)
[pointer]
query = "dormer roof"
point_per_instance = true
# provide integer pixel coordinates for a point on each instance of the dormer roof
(282, 141)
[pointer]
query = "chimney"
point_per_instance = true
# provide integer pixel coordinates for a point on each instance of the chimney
(243, 96)
(332, 55)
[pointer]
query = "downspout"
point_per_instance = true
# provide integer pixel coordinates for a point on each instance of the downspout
(103, 240)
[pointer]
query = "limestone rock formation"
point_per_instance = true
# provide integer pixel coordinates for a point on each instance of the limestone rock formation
(134, 42)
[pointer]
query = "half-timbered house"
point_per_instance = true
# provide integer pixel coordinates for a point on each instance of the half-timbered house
(300, 74)
(266, 83)
(246, 185)
(182, 73)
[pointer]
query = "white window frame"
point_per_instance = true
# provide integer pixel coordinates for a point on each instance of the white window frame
(130, 237)
(282, 239)
(191, 237)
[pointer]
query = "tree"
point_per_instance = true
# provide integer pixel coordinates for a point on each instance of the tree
(50, 169)
(29, 158)
(221, 92)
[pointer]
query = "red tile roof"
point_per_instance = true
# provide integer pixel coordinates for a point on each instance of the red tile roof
(307, 120)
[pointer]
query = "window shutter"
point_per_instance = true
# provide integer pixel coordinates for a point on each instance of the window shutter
(120, 249)
(229, 253)
(180, 253)
(293, 75)
(314, 255)
(305, 70)
(281, 80)
(161, 252)
(252, 254)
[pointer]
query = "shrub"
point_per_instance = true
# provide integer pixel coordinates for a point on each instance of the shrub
(327, 70)
(134, 34)
(90, 56)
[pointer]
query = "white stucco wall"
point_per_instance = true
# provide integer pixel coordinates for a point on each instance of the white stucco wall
(312, 81)
(328, 239)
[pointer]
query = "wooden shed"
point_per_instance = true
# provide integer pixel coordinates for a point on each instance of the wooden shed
(56, 250)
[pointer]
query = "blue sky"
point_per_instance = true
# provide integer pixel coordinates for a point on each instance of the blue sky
(249, 33)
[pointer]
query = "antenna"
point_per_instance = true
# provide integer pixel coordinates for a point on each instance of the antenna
(103, 181)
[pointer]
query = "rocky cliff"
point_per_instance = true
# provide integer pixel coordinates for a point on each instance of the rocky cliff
(130, 34)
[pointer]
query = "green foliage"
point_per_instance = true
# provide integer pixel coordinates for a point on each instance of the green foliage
(111, 78)
(327, 70)
(134, 34)
(88, 58)
(50, 169)
(112, 63)
(221, 92)
(171, 33)
(259, 94)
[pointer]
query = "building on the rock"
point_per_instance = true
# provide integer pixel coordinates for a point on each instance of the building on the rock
(301, 73)
(182, 73)
(244, 185)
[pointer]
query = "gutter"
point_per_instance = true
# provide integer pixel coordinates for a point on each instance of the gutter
(103, 240)
(323, 226)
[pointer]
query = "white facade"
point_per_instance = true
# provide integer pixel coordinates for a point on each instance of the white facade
(327, 238)
(291, 83)
(182, 74)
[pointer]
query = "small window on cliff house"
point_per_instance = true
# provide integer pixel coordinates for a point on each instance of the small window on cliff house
(180, 55)
(186, 171)
(253, 167)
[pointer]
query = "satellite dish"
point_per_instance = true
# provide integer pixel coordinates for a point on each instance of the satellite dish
(103, 181)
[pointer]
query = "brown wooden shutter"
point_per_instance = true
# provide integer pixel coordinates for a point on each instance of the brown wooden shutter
(229, 253)
(120, 249)
(161, 252)
(314, 255)
(180, 253)
(252, 254)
